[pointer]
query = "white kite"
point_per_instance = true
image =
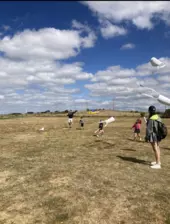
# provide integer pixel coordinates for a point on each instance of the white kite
(157, 63)
(155, 95)
(108, 121)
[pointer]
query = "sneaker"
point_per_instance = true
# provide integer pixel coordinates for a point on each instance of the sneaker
(154, 163)
(156, 166)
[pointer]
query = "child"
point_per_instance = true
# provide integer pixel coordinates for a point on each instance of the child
(81, 122)
(100, 129)
(137, 127)
(153, 136)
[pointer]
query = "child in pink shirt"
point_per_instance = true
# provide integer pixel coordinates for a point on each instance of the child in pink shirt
(137, 127)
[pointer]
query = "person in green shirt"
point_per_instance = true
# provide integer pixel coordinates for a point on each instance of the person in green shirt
(152, 135)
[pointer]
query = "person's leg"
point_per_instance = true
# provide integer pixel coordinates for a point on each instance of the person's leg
(139, 136)
(101, 132)
(135, 135)
(96, 131)
(156, 149)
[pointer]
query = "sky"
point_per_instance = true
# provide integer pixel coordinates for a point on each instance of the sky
(73, 55)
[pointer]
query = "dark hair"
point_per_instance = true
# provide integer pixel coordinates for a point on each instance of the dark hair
(152, 110)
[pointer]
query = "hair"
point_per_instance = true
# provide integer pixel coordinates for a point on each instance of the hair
(152, 113)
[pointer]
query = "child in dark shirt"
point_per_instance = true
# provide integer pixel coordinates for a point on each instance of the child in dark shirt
(100, 130)
(81, 122)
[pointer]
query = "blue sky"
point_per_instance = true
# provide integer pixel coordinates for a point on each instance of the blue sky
(61, 55)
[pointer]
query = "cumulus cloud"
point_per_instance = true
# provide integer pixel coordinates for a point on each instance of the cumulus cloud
(6, 27)
(140, 13)
(113, 72)
(123, 84)
(46, 43)
(42, 83)
(23, 73)
(109, 30)
(127, 46)
(32, 72)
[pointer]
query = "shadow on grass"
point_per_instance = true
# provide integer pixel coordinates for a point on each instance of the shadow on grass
(165, 148)
(132, 140)
(134, 160)
(79, 128)
(132, 150)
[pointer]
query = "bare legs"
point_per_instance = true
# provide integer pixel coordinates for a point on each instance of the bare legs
(70, 124)
(99, 131)
(137, 135)
(156, 149)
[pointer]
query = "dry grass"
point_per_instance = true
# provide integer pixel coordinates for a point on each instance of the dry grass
(69, 176)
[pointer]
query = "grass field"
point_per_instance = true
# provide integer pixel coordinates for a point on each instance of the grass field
(69, 176)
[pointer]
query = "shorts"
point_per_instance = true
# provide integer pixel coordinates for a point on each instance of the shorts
(154, 138)
(70, 120)
(137, 131)
(82, 124)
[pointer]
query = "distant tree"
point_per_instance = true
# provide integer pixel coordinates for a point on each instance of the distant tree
(47, 111)
(44, 112)
(166, 114)
(16, 114)
(30, 112)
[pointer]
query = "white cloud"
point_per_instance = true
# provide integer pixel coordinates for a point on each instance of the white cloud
(128, 46)
(23, 73)
(122, 84)
(80, 26)
(112, 73)
(6, 27)
(140, 13)
(165, 78)
(90, 39)
(31, 64)
(109, 30)
(46, 43)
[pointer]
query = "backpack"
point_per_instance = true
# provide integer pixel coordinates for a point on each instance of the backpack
(162, 130)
